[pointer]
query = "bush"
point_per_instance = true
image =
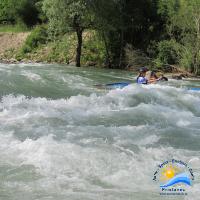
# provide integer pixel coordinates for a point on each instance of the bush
(186, 60)
(63, 50)
(93, 49)
(37, 37)
(189, 60)
(135, 57)
(168, 52)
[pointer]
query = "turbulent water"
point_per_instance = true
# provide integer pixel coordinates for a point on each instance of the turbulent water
(62, 138)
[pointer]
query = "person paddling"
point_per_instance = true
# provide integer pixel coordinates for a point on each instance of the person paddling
(149, 77)
(153, 78)
(141, 79)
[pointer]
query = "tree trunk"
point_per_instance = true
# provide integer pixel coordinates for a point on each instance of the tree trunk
(108, 62)
(122, 54)
(79, 33)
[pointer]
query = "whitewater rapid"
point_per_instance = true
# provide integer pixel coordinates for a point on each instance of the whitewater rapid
(62, 138)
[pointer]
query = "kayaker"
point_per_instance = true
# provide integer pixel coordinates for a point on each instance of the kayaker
(141, 79)
(149, 77)
(153, 78)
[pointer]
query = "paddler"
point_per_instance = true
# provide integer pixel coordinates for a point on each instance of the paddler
(149, 77)
(153, 78)
(141, 79)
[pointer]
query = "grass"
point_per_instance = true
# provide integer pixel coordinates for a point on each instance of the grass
(13, 28)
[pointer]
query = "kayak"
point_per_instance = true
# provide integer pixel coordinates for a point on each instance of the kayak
(194, 89)
(120, 85)
(112, 86)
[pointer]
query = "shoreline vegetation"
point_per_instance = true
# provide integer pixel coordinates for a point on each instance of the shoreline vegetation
(13, 42)
(162, 35)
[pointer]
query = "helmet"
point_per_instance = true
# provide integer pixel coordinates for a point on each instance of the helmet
(153, 73)
(144, 69)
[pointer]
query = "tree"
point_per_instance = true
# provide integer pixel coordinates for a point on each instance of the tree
(21, 11)
(183, 25)
(8, 11)
(106, 22)
(188, 20)
(28, 12)
(68, 15)
(123, 22)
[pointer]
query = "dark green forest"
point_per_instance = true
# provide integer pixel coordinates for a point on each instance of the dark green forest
(151, 32)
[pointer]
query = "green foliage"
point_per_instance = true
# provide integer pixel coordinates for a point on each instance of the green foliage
(8, 11)
(186, 59)
(65, 16)
(126, 22)
(183, 25)
(14, 28)
(93, 49)
(61, 15)
(62, 50)
(136, 58)
(168, 52)
(27, 12)
(167, 31)
(20, 11)
(41, 15)
(37, 37)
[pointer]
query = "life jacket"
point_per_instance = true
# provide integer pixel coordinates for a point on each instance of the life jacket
(141, 80)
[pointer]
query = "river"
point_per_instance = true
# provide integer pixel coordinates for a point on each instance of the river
(63, 138)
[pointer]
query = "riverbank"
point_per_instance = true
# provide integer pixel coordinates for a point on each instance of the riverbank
(35, 47)
(10, 44)
(63, 52)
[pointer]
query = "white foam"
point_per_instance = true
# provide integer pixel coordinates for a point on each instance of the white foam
(31, 76)
(109, 142)
(183, 123)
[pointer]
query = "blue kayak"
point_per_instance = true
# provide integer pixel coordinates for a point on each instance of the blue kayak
(194, 89)
(112, 86)
(120, 85)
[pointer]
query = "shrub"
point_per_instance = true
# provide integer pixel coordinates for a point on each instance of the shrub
(36, 38)
(63, 50)
(189, 60)
(186, 59)
(168, 52)
(135, 57)
(93, 49)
